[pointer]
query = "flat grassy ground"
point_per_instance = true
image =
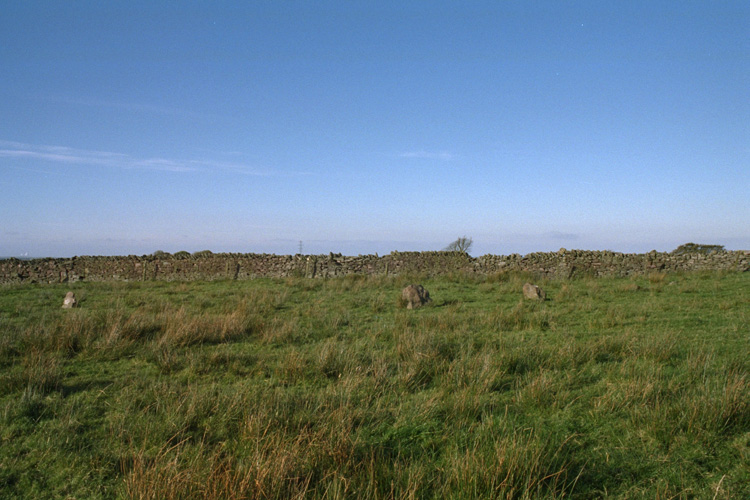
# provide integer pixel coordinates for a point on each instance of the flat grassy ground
(620, 388)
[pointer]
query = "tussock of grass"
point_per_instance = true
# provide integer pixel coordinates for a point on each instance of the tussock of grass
(299, 388)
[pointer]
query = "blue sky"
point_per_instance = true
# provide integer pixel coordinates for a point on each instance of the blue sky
(364, 127)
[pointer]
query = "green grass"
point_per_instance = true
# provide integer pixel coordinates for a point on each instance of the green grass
(295, 388)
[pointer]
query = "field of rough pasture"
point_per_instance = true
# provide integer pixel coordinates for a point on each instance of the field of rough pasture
(332, 388)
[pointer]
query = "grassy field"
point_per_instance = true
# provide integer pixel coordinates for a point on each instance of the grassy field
(294, 388)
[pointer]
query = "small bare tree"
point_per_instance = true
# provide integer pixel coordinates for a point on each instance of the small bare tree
(462, 244)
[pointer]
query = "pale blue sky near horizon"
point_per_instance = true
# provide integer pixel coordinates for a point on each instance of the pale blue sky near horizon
(364, 127)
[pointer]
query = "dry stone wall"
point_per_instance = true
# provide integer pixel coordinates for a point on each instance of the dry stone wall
(207, 266)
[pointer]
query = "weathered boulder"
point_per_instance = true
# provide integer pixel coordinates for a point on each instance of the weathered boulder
(69, 301)
(533, 292)
(415, 296)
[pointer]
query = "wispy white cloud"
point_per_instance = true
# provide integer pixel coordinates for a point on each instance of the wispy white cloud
(73, 156)
(428, 155)
(559, 235)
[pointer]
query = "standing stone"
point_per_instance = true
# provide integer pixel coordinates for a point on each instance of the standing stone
(415, 296)
(533, 292)
(69, 301)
